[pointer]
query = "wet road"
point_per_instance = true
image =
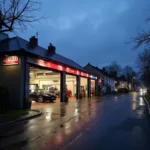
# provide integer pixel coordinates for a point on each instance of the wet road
(108, 123)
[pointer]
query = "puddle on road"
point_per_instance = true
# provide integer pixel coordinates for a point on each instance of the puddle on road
(51, 116)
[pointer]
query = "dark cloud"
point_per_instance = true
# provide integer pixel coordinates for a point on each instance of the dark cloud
(92, 31)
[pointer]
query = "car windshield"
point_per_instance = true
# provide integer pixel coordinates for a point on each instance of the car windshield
(40, 91)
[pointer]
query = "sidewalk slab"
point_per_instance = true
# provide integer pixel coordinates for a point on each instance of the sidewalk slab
(31, 114)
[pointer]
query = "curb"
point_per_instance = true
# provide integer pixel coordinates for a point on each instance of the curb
(39, 113)
(147, 104)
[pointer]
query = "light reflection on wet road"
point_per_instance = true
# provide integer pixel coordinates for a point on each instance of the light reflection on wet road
(111, 122)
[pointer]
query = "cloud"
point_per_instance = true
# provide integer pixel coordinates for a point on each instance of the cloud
(92, 31)
(122, 7)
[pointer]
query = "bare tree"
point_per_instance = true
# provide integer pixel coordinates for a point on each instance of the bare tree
(143, 37)
(115, 67)
(129, 73)
(17, 14)
(143, 63)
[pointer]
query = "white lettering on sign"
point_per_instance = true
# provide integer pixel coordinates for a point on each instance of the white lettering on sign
(11, 60)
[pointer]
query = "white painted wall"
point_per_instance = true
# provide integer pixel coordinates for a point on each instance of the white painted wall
(110, 82)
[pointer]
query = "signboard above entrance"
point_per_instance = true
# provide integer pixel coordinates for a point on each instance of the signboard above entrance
(59, 67)
(11, 60)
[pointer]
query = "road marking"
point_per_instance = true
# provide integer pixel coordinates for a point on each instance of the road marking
(76, 138)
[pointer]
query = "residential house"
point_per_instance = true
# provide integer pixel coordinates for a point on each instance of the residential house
(109, 80)
(121, 82)
(96, 72)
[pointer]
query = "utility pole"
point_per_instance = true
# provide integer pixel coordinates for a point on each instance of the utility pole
(132, 82)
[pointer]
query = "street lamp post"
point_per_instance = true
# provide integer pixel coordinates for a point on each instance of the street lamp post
(132, 82)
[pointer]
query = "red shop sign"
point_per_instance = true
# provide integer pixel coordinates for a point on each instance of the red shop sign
(100, 80)
(11, 60)
(59, 67)
(84, 74)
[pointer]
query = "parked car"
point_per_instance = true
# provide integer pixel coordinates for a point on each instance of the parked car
(123, 90)
(54, 90)
(41, 96)
(57, 92)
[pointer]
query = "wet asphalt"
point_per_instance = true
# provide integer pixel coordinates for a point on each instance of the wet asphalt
(116, 122)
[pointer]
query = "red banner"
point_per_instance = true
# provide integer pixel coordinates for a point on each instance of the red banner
(59, 67)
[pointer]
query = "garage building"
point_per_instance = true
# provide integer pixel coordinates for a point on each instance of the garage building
(25, 67)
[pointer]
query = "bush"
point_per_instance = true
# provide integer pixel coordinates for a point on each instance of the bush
(123, 90)
(148, 91)
(4, 98)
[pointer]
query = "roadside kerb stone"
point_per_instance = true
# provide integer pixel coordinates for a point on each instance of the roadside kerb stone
(147, 104)
(38, 113)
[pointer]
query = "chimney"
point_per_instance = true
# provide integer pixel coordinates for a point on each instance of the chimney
(33, 41)
(51, 49)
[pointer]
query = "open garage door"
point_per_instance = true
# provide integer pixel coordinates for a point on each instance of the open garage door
(83, 87)
(44, 83)
(71, 85)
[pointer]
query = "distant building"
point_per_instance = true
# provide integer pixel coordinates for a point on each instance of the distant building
(109, 80)
(96, 72)
(121, 82)
(106, 80)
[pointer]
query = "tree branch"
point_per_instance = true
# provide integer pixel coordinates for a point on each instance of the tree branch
(17, 13)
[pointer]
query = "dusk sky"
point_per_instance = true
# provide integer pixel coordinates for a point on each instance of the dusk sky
(94, 31)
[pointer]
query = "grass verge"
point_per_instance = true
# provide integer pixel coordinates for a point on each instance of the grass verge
(147, 96)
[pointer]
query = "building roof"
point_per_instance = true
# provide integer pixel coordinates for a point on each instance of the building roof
(17, 44)
(98, 71)
(93, 70)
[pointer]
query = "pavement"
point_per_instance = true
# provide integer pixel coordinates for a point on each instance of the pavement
(5, 121)
(107, 123)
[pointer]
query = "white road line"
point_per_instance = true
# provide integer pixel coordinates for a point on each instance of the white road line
(75, 138)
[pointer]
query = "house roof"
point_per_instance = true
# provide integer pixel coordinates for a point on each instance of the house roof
(17, 43)
(93, 70)
(99, 71)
